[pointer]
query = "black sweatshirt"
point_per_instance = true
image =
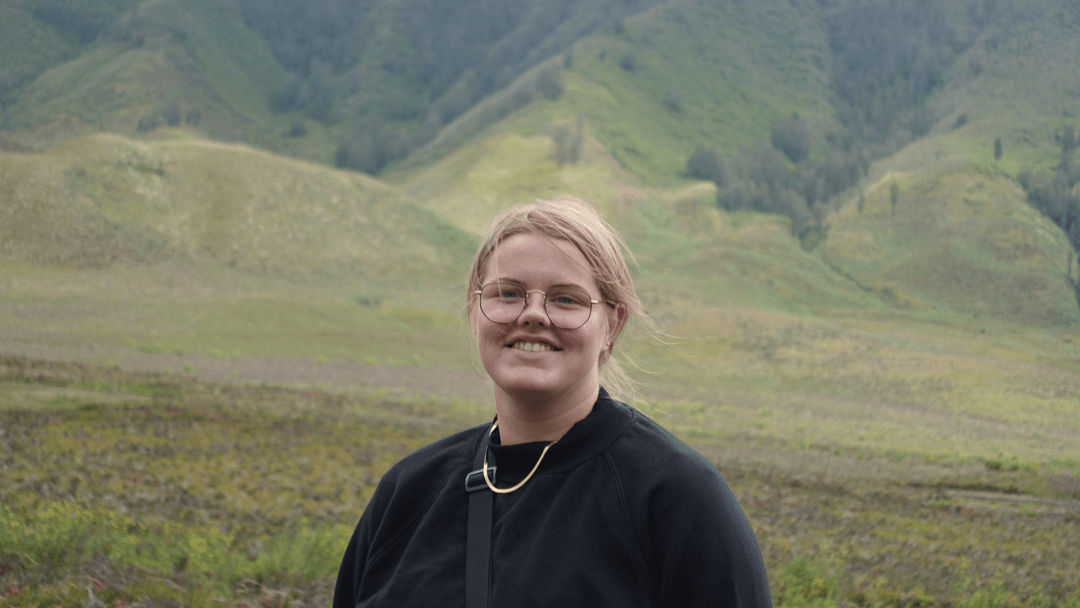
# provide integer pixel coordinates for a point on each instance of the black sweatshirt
(620, 513)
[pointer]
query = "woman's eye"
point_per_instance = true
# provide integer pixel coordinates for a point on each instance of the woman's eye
(565, 299)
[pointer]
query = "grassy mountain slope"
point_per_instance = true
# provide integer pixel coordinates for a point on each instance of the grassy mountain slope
(318, 80)
(638, 97)
(104, 199)
(697, 74)
(695, 66)
(186, 246)
(960, 241)
(960, 247)
(675, 78)
(161, 64)
(1016, 83)
(961, 235)
(514, 161)
(28, 48)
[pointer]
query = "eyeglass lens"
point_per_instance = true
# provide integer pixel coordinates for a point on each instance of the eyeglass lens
(567, 307)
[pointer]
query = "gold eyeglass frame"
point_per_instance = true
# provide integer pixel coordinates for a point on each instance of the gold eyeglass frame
(525, 304)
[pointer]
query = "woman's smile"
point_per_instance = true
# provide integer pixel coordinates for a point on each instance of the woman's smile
(533, 347)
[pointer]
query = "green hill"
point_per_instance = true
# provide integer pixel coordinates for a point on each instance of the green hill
(960, 241)
(613, 118)
(152, 65)
(105, 200)
(961, 235)
(362, 84)
(691, 74)
(187, 246)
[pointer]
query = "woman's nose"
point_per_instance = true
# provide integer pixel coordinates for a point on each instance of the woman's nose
(534, 309)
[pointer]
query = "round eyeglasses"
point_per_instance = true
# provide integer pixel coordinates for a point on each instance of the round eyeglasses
(567, 307)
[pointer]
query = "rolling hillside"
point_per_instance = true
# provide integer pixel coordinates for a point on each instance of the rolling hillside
(115, 250)
(989, 255)
(104, 200)
(613, 117)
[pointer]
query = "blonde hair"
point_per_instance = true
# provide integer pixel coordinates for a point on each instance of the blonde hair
(579, 223)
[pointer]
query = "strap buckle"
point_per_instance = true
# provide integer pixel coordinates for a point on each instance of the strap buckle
(475, 480)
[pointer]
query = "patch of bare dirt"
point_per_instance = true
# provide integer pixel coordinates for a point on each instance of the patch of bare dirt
(443, 382)
(1003, 501)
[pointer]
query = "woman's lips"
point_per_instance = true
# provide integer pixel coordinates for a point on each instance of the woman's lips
(533, 346)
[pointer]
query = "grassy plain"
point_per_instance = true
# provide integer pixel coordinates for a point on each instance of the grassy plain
(885, 457)
(133, 487)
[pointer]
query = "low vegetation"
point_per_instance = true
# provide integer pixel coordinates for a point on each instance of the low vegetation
(134, 487)
(122, 488)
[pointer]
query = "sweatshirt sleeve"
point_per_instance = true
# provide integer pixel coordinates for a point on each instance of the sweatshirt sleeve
(352, 567)
(355, 561)
(706, 552)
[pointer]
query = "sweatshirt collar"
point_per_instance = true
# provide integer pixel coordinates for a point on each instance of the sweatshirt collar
(584, 441)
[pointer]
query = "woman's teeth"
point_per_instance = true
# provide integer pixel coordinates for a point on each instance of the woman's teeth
(532, 346)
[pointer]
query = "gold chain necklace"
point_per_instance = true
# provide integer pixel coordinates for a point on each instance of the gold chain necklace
(517, 486)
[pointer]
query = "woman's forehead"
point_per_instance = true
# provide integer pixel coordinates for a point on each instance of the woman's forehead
(526, 256)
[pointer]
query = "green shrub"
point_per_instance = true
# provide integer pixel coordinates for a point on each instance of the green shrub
(804, 583)
(995, 596)
(59, 536)
(792, 137)
(303, 555)
(706, 163)
(64, 536)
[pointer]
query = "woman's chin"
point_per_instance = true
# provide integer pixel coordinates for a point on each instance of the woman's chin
(531, 385)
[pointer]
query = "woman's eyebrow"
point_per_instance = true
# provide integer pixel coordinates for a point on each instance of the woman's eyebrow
(506, 280)
(522, 283)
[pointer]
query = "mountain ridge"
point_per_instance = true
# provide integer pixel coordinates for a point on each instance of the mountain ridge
(613, 118)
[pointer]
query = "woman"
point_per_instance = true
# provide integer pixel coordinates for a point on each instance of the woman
(569, 498)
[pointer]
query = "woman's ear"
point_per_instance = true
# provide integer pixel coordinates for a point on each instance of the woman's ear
(470, 316)
(616, 323)
(622, 315)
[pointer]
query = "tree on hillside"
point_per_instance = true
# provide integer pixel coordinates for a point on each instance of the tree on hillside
(766, 180)
(1056, 195)
(705, 163)
(673, 100)
(1067, 167)
(320, 100)
(568, 141)
(415, 65)
(171, 114)
(83, 18)
(998, 149)
(842, 169)
(888, 56)
(792, 137)
(761, 181)
(370, 147)
(549, 83)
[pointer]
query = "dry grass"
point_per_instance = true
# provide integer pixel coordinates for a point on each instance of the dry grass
(164, 489)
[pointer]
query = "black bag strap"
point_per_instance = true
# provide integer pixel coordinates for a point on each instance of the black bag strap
(478, 537)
